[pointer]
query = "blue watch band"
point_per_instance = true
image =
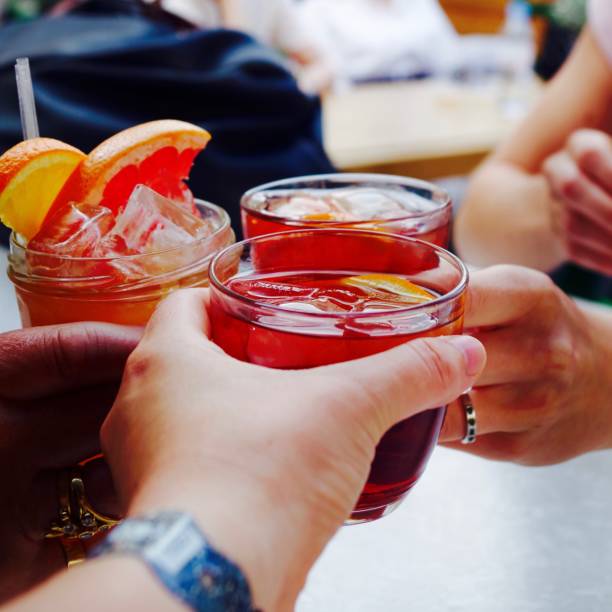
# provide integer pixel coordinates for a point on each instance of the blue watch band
(177, 551)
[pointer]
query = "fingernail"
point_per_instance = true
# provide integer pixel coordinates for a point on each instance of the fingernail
(473, 353)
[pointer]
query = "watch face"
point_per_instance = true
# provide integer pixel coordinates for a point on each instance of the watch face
(132, 533)
(177, 546)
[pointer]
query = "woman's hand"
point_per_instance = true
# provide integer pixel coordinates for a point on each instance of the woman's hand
(580, 181)
(269, 462)
(544, 396)
(57, 384)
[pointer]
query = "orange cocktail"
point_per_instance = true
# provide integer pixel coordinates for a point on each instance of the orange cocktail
(122, 289)
(105, 236)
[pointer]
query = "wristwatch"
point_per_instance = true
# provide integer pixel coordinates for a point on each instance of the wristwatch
(178, 553)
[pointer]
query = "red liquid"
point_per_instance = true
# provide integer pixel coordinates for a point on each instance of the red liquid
(257, 224)
(403, 452)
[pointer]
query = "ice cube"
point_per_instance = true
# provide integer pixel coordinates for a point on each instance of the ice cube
(270, 290)
(155, 227)
(74, 231)
(368, 204)
(68, 243)
(306, 205)
(150, 223)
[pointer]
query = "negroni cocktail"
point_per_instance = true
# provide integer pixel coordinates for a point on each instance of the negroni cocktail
(308, 298)
(105, 236)
(391, 204)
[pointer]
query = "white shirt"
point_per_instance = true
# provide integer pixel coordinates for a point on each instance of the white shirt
(372, 38)
(273, 22)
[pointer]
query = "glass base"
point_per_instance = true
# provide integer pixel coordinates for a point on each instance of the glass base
(367, 515)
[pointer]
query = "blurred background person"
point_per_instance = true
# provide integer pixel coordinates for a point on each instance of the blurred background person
(376, 39)
(545, 196)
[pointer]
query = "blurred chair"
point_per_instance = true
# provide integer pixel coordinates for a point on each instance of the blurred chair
(476, 16)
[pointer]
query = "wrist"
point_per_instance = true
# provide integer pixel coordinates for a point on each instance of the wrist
(599, 322)
(243, 523)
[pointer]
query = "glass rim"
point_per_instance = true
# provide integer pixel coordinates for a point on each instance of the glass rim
(442, 196)
(225, 225)
(459, 288)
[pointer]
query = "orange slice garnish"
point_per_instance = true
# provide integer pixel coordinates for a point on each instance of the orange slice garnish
(389, 283)
(158, 154)
(32, 173)
(320, 217)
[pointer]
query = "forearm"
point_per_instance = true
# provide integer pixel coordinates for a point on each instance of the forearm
(256, 528)
(114, 583)
(506, 219)
(244, 522)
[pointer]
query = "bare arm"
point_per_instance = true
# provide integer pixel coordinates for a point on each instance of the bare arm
(508, 213)
(198, 431)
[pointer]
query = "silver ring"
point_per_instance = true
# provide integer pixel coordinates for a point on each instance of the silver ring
(470, 419)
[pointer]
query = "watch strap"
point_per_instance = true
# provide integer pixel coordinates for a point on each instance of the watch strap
(175, 549)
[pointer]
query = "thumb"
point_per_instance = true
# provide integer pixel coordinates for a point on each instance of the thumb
(421, 374)
(42, 361)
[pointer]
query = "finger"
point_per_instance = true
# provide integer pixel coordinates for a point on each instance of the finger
(41, 361)
(515, 354)
(503, 294)
(413, 377)
(592, 152)
(592, 255)
(499, 408)
(571, 185)
(62, 430)
(497, 446)
(181, 316)
(580, 228)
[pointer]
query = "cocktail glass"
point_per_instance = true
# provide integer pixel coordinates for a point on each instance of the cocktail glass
(126, 289)
(390, 204)
(264, 326)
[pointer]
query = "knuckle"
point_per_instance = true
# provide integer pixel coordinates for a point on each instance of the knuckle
(439, 369)
(141, 363)
(570, 185)
(58, 348)
(588, 144)
(520, 276)
(561, 358)
(514, 447)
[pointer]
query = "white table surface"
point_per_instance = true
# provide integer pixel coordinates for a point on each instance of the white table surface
(473, 536)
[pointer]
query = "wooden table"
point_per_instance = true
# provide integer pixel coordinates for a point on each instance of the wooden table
(425, 128)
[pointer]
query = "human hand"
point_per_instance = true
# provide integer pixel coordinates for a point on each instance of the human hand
(544, 395)
(580, 181)
(57, 384)
(269, 462)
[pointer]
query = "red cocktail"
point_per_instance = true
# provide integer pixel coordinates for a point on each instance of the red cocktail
(390, 204)
(308, 298)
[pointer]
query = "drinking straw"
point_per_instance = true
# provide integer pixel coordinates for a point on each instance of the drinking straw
(25, 91)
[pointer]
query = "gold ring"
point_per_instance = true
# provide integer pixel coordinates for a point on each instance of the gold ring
(77, 520)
